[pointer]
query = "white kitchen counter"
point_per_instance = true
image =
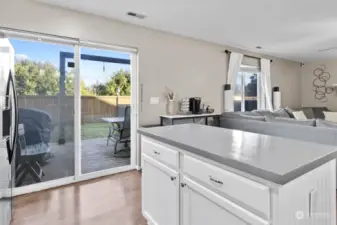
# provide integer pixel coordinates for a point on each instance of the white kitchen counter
(276, 159)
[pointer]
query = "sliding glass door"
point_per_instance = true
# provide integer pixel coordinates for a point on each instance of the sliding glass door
(105, 86)
(77, 110)
(45, 149)
(245, 91)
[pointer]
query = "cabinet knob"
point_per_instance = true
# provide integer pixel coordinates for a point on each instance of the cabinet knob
(183, 184)
(155, 152)
(173, 178)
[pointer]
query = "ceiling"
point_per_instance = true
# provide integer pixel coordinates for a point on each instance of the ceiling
(294, 29)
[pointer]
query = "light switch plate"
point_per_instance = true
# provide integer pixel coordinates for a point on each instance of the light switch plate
(154, 100)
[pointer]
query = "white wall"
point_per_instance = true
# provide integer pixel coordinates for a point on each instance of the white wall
(187, 66)
(307, 93)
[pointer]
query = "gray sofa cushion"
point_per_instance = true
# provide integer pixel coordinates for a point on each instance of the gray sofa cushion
(308, 112)
(314, 112)
(264, 113)
(310, 123)
(282, 112)
(325, 124)
(238, 114)
(268, 114)
(252, 117)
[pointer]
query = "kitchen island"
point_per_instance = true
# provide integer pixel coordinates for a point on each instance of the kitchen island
(201, 175)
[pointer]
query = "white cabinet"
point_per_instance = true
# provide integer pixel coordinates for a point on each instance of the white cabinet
(160, 193)
(182, 189)
(202, 206)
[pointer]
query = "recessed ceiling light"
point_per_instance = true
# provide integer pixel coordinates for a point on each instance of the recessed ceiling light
(258, 47)
(137, 15)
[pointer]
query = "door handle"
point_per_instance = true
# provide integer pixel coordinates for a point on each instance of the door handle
(215, 180)
(11, 143)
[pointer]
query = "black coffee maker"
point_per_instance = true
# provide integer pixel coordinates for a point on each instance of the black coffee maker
(195, 105)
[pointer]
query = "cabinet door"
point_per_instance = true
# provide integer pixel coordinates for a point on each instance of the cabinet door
(160, 193)
(202, 206)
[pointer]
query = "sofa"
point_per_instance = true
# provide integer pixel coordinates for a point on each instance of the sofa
(281, 123)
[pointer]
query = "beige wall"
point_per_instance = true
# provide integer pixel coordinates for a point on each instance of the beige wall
(307, 93)
(287, 75)
(187, 66)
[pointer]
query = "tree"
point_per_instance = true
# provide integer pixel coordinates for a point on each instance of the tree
(69, 86)
(33, 78)
(37, 78)
(121, 79)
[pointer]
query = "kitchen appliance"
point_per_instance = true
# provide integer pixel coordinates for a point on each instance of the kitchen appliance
(8, 129)
(195, 104)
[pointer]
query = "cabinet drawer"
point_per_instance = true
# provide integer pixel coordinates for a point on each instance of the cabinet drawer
(160, 152)
(250, 193)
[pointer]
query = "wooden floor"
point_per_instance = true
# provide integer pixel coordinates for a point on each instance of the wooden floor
(113, 200)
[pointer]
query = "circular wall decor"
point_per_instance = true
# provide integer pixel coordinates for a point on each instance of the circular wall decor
(321, 76)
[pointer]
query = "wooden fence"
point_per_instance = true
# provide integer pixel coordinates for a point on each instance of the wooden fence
(92, 107)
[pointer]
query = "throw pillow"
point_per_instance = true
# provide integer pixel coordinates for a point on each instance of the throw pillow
(290, 111)
(330, 116)
(299, 115)
(319, 112)
(325, 124)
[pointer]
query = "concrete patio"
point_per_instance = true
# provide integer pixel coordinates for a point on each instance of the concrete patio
(96, 156)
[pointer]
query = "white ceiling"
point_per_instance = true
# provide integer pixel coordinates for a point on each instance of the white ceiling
(292, 29)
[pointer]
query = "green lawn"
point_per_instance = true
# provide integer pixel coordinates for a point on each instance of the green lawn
(88, 131)
(94, 130)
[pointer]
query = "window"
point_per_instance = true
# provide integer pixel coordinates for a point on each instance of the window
(245, 90)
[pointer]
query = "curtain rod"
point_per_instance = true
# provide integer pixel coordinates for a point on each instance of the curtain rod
(249, 56)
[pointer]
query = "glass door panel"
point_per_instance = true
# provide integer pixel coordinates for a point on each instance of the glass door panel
(250, 82)
(43, 78)
(238, 90)
(105, 87)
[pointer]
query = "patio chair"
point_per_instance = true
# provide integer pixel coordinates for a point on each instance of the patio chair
(120, 133)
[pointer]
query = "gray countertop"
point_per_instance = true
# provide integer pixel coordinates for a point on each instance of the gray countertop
(276, 159)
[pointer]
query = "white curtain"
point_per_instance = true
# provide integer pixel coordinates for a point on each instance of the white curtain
(233, 69)
(265, 98)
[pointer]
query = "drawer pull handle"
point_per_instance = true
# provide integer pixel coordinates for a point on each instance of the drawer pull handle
(155, 152)
(173, 178)
(215, 181)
